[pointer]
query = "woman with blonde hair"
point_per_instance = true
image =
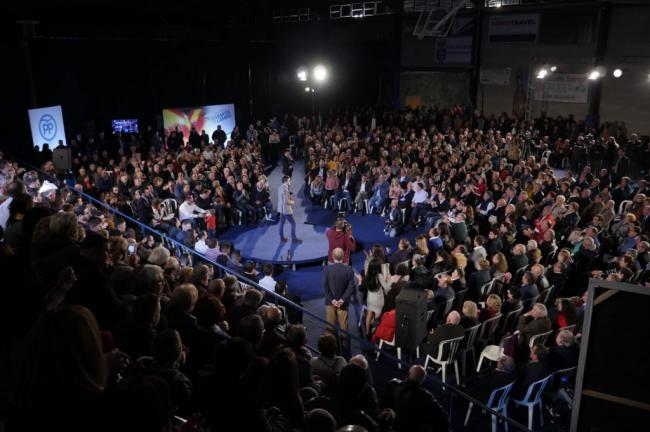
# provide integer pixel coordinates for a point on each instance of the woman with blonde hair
(469, 314)
(422, 248)
(492, 308)
(499, 266)
(395, 190)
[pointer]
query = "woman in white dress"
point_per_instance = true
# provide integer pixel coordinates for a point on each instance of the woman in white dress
(375, 284)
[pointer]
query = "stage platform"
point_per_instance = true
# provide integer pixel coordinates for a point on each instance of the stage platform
(262, 243)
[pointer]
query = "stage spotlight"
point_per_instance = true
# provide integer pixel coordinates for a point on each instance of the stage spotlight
(302, 74)
(553, 68)
(617, 73)
(320, 73)
(541, 74)
(307, 89)
(594, 75)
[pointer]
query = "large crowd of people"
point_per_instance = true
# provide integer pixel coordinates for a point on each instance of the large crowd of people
(107, 327)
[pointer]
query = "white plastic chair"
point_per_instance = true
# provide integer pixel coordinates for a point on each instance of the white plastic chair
(468, 342)
(447, 351)
(486, 288)
(539, 338)
(170, 207)
(488, 328)
(532, 398)
(492, 352)
(622, 208)
(498, 401)
(390, 343)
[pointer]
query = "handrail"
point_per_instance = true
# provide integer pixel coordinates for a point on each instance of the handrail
(363, 343)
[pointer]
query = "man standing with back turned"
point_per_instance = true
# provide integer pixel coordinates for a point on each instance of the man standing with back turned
(285, 207)
(339, 286)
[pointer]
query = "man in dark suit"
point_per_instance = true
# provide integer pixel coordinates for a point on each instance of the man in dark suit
(379, 193)
(536, 369)
(477, 279)
(565, 354)
(347, 186)
(287, 163)
(92, 288)
(481, 386)
(533, 322)
(450, 330)
(339, 286)
(416, 408)
(518, 259)
(362, 190)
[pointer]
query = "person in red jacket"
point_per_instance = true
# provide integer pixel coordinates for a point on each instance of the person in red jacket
(340, 236)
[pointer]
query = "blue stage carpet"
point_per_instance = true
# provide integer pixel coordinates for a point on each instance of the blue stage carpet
(262, 243)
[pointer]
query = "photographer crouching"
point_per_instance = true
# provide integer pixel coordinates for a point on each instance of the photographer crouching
(340, 236)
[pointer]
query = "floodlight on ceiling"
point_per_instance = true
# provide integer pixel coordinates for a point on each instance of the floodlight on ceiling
(594, 75)
(617, 73)
(320, 73)
(302, 74)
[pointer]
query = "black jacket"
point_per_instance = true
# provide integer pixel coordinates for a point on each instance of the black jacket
(338, 283)
(441, 334)
(415, 407)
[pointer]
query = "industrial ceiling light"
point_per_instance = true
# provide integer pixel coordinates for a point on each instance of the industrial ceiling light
(302, 74)
(553, 68)
(307, 89)
(617, 73)
(541, 74)
(594, 75)
(320, 73)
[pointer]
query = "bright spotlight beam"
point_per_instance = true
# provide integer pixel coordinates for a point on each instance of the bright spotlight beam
(302, 74)
(320, 73)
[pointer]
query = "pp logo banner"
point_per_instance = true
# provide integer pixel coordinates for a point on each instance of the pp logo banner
(47, 126)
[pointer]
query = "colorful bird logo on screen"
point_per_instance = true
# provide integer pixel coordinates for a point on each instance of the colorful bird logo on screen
(184, 119)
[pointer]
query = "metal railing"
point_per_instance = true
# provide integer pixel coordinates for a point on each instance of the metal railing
(341, 334)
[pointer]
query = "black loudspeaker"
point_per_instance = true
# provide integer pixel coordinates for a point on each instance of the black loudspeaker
(62, 159)
(410, 318)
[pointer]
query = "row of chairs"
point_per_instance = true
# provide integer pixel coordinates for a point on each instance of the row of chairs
(499, 398)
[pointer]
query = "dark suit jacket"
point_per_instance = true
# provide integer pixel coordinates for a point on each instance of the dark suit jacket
(338, 283)
(531, 327)
(415, 407)
(517, 262)
(357, 187)
(528, 291)
(481, 386)
(563, 357)
(398, 257)
(534, 371)
(443, 333)
(287, 166)
(475, 282)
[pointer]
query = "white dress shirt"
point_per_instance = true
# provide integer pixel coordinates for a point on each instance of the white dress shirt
(201, 247)
(187, 211)
(420, 196)
(4, 212)
(267, 282)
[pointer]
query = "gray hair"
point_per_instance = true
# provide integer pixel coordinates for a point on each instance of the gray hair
(360, 360)
(158, 256)
(541, 309)
(565, 338)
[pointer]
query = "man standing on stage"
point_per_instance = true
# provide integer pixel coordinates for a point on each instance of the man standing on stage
(285, 207)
